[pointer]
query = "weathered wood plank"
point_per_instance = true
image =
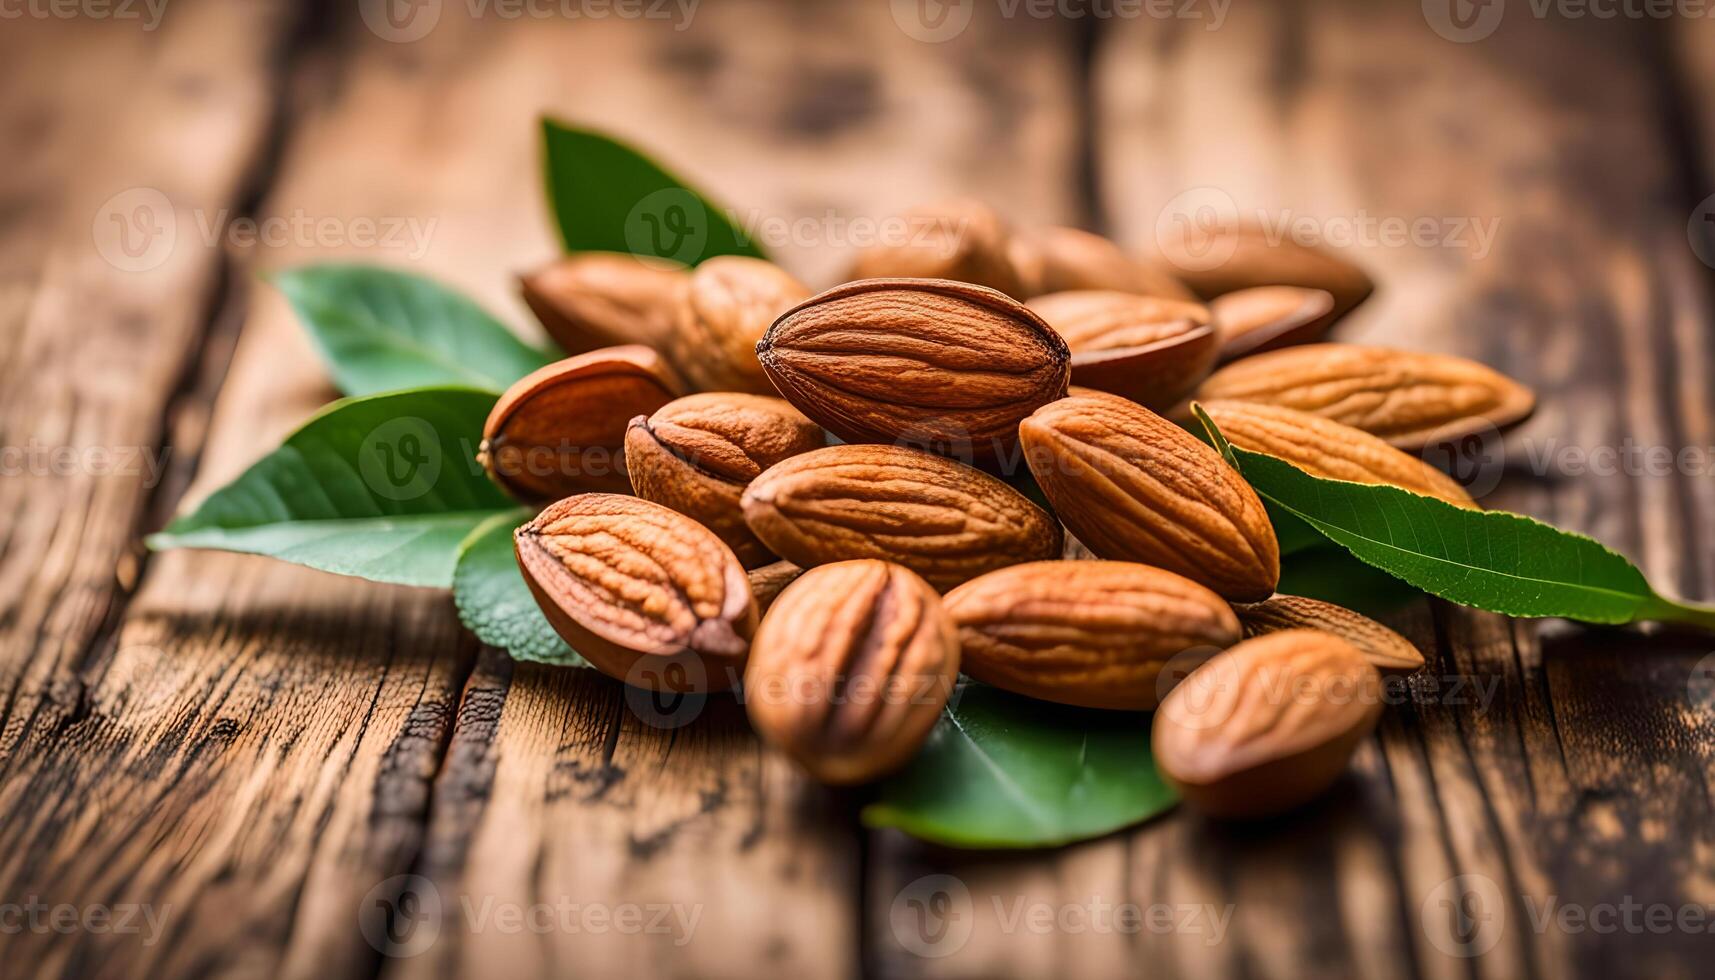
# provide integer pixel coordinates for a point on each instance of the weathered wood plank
(1563, 767)
(819, 114)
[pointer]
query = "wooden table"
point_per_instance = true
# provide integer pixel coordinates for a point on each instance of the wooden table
(254, 752)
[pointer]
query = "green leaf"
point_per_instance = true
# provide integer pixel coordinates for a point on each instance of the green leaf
(493, 601)
(384, 487)
(1003, 770)
(383, 330)
(607, 197)
(1505, 563)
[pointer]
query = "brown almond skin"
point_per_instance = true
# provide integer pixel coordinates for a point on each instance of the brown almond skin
(720, 313)
(1055, 259)
(961, 239)
(1260, 257)
(1265, 318)
(1386, 650)
(640, 590)
(1325, 448)
(560, 430)
(1133, 486)
(1268, 725)
(1409, 399)
(698, 453)
(1149, 350)
(851, 668)
(943, 520)
(768, 581)
(1090, 633)
(602, 299)
(945, 365)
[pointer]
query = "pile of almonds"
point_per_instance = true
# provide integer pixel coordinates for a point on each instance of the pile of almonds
(699, 531)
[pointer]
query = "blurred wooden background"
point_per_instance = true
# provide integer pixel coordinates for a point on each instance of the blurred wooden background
(257, 751)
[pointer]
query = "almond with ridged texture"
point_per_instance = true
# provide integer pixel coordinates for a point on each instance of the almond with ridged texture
(721, 311)
(1268, 725)
(1385, 649)
(1055, 259)
(768, 581)
(645, 594)
(1409, 399)
(1246, 254)
(1133, 486)
(1090, 633)
(1152, 351)
(944, 365)
(1325, 448)
(560, 430)
(601, 299)
(1269, 317)
(943, 520)
(698, 453)
(960, 239)
(851, 669)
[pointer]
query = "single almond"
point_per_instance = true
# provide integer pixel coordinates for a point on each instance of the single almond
(768, 581)
(698, 453)
(1325, 448)
(600, 299)
(1386, 650)
(1133, 486)
(560, 430)
(1268, 725)
(644, 593)
(1269, 317)
(1090, 633)
(1409, 399)
(720, 312)
(961, 239)
(945, 365)
(943, 520)
(1150, 350)
(1054, 259)
(851, 668)
(1243, 254)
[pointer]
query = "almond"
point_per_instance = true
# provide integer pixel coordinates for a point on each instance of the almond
(1267, 725)
(1251, 254)
(560, 430)
(851, 669)
(768, 581)
(698, 453)
(1269, 317)
(640, 590)
(1054, 259)
(720, 312)
(1133, 486)
(1411, 400)
(941, 519)
(945, 365)
(1089, 633)
(1386, 650)
(1325, 448)
(1152, 351)
(600, 299)
(962, 240)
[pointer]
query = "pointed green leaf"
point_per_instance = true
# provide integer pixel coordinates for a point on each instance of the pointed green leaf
(384, 487)
(1494, 560)
(1002, 770)
(384, 330)
(496, 605)
(607, 197)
